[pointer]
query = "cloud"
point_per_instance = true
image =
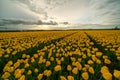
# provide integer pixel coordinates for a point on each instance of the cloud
(102, 12)
(41, 7)
(24, 22)
(14, 22)
(10, 9)
(55, 3)
(98, 12)
(81, 11)
(36, 6)
(65, 23)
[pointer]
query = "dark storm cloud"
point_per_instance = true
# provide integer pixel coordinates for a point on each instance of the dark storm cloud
(16, 22)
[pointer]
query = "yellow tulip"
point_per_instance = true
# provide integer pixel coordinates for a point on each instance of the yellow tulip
(48, 63)
(75, 70)
(78, 65)
(70, 77)
(52, 58)
(11, 69)
(91, 70)
(62, 78)
(62, 59)
(35, 70)
(17, 64)
(40, 76)
(6, 75)
(29, 72)
(98, 54)
(105, 57)
(22, 77)
(104, 69)
(85, 75)
(35, 55)
(69, 68)
(107, 61)
(47, 73)
(98, 61)
(57, 68)
(107, 76)
(26, 65)
(10, 63)
(90, 62)
(116, 74)
(118, 58)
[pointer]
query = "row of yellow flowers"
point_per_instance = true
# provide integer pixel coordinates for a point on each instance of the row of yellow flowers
(110, 40)
(12, 43)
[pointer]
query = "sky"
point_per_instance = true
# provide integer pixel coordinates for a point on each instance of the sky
(77, 14)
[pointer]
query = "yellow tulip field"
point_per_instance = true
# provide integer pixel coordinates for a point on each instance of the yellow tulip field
(60, 55)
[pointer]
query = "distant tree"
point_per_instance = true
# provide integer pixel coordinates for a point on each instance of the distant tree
(116, 28)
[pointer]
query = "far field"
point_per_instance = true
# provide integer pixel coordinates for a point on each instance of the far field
(60, 55)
